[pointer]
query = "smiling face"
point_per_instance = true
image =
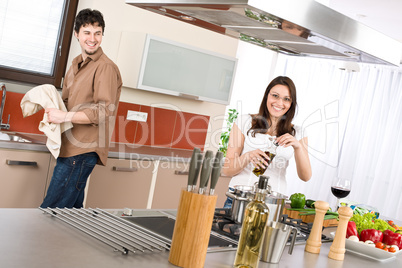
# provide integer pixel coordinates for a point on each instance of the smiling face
(90, 39)
(279, 101)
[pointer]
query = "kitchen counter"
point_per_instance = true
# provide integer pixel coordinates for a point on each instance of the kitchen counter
(30, 238)
(117, 150)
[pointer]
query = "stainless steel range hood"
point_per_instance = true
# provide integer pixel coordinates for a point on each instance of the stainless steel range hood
(293, 27)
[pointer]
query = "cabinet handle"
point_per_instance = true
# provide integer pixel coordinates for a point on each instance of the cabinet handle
(21, 163)
(188, 96)
(179, 172)
(123, 169)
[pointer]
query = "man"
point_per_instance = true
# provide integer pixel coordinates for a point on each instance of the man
(91, 92)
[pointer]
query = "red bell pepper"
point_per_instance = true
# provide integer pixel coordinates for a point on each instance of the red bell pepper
(371, 234)
(391, 238)
(351, 229)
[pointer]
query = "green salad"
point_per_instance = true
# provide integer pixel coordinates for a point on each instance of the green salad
(369, 221)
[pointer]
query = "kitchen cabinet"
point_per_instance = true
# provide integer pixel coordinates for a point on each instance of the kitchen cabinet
(52, 164)
(24, 176)
(172, 178)
(174, 68)
(121, 183)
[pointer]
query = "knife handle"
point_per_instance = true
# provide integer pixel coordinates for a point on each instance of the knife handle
(192, 175)
(205, 170)
(197, 169)
(216, 171)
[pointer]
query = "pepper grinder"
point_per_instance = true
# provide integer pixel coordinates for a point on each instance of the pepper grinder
(313, 244)
(337, 250)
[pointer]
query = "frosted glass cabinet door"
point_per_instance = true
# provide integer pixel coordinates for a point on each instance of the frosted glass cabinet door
(177, 69)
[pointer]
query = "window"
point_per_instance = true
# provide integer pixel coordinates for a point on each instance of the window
(35, 39)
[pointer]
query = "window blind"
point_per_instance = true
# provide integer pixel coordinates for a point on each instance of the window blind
(29, 32)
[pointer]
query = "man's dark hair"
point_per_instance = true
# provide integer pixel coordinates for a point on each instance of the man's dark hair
(89, 16)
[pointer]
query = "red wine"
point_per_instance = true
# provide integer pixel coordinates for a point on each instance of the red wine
(339, 192)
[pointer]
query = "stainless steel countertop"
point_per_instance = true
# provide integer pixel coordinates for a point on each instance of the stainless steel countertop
(117, 150)
(29, 238)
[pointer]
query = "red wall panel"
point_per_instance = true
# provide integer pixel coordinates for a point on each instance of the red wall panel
(163, 128)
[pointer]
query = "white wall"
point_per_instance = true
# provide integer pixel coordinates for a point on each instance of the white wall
(254, 72)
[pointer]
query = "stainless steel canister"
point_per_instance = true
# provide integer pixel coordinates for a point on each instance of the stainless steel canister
(275, 239)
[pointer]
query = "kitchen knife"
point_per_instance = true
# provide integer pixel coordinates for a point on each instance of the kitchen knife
(192, 175)
(205, 171)
(197, 169)
(216, 171)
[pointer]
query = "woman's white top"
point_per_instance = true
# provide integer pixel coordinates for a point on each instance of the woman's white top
(276, 171)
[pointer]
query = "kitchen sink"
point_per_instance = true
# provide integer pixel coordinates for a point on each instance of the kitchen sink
(13, 137)
(161, 223)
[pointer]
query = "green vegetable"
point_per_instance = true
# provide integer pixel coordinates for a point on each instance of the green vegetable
(369, 221)
(297, 200)
(310, 203)
(360, 211)
(311, 211)
(330, 217)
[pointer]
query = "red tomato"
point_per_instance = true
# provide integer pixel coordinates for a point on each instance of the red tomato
(392, 249)
(379, 245)
(385, 249)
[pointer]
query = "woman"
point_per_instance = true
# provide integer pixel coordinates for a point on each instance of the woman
(250, 134)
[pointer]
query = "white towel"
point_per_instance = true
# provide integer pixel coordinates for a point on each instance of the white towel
(46, 96)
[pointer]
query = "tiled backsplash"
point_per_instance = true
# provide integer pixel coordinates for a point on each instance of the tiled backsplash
(163, 128)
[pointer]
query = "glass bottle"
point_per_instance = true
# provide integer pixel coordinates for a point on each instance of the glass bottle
(271, 152)
(253, 227)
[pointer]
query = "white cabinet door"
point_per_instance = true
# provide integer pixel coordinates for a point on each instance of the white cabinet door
(120, 184)
(171, 178)
(23, 178)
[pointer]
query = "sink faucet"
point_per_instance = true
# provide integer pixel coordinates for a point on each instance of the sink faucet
(3, 100)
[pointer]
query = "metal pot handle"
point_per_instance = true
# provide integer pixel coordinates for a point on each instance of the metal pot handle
(231, 195)
(292, 242)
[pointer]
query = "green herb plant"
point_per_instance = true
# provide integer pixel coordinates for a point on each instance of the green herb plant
(224, 139)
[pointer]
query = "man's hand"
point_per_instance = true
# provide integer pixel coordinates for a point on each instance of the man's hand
(56, 116)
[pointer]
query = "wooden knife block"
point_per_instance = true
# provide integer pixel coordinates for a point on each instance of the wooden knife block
(192, 229)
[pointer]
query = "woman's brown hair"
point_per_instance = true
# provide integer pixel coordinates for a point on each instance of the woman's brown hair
(261, 122)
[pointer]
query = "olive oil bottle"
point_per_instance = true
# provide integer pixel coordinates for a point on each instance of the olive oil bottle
(271, 152)
(253, 227)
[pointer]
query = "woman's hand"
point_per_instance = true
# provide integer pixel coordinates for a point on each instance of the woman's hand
(301, 155)
(258, 158)
(235, 162)
(288, 140)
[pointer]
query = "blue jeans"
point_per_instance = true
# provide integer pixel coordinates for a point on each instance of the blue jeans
(67, 187)
(229, 201)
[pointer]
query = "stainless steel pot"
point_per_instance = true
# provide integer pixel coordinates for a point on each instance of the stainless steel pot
(242, 195)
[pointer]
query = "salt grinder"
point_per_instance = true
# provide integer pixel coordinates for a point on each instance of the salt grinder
(337, 250)
(313, 244)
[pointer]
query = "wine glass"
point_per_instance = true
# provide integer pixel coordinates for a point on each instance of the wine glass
(340, 188)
